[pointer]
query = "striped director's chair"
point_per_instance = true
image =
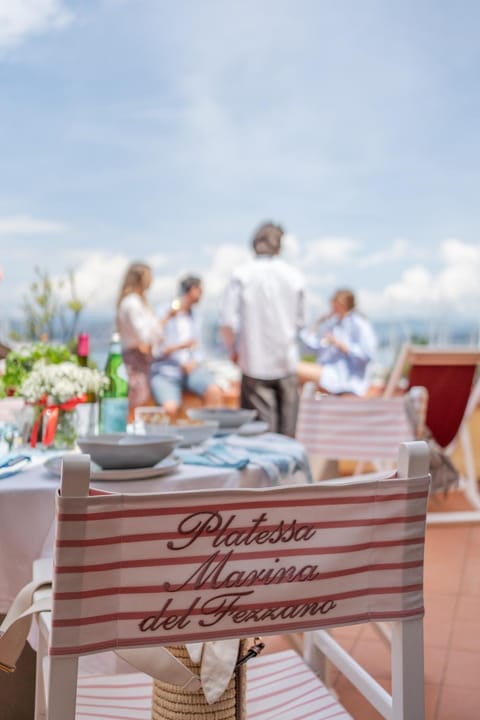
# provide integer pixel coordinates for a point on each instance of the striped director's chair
(150, 570)
(360, 429)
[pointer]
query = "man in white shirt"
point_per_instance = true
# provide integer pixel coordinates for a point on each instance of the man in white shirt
(263, 311)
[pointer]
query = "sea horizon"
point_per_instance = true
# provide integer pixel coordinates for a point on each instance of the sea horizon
(391, 334)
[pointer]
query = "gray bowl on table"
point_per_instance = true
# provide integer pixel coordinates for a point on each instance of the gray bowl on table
(118, 451)
(194, 432)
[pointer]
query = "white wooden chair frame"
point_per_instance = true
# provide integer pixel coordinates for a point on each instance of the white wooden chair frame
(408, 487)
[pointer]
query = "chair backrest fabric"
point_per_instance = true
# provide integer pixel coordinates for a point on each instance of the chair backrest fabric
(139, 570)
(449, 388)
(353, 428)
(448, 374)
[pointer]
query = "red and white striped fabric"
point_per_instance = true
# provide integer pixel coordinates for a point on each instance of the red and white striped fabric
(279, 685)
(123, 697)
(282, 687)
(351, 428)
(138, 570)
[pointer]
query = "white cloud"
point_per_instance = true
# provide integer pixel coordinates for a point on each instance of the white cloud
(164, 289)
(22, 18)
(458, 281)
(333, 250)
(416, 284)
(26, 225)
(98, 276)
(97, 279)
(158, 261)
(452, 291)
(291, 249)
(456, 251)
(398, 250)
(222, 261)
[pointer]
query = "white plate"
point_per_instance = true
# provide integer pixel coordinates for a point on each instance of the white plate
(164, 467)
(257, 427)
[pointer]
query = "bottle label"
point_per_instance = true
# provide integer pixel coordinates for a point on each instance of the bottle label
(83, 345)
(114, 415)
(122, 372)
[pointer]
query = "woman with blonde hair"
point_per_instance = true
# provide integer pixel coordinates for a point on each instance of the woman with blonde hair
(139, 328)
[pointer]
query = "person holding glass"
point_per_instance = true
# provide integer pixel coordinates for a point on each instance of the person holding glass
(178, 360)
(345, 345)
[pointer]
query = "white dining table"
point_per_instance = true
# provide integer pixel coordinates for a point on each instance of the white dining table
(27, 506)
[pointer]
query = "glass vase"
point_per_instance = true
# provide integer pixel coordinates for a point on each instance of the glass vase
(66, 431)
(86, 418)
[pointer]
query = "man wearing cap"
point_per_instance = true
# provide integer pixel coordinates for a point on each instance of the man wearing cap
(262, 313)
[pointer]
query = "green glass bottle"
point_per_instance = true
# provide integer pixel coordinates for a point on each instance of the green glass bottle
(114, 403)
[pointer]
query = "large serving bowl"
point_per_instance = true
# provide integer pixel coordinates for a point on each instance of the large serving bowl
(227, 418)
(194, 432)
(191, 432)
(118, 451)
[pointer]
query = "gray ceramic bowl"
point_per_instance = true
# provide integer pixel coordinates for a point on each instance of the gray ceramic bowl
(118, 451)
(227, 418)
(192, 433)
(197, 433)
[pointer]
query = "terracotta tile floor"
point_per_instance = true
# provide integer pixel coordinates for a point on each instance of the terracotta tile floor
(452, 629)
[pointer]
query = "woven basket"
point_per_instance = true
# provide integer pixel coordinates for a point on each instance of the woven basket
(170, 702)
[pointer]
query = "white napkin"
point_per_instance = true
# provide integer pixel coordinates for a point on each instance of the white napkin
(218, 661)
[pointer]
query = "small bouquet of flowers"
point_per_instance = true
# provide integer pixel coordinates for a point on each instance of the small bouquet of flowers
(56, 390)
(20, 362)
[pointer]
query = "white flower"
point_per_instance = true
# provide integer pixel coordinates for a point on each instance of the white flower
(61, 382)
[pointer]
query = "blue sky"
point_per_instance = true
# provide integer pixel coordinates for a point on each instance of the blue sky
(166, 131)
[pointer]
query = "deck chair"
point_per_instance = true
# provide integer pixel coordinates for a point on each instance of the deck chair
(128, 573)
(366, 430)
(449, 375)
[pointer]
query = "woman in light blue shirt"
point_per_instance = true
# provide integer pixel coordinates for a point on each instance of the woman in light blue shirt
(345, 344)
